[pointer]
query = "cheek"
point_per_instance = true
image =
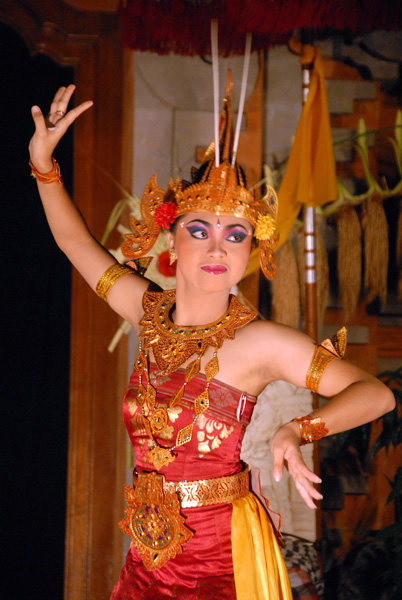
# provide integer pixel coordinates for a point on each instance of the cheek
(184, 244)
(243, 250)
(187, 250)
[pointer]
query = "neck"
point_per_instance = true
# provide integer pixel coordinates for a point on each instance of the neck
(195, 307)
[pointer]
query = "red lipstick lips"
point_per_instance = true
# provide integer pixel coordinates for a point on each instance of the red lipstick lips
(214, 269)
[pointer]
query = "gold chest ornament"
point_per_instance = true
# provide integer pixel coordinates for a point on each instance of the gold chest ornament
(172, 346)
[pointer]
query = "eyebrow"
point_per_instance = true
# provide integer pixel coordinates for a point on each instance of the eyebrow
(207, 224)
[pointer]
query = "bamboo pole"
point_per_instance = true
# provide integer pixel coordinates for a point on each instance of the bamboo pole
(310, 272)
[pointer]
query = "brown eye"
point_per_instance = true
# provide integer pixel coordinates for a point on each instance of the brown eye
(236, 237)
(197, 232)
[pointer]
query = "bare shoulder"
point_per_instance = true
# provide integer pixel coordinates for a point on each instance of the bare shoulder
(270, 338)
(275, 350)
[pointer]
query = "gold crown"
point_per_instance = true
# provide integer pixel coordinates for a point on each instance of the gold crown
(220, 190)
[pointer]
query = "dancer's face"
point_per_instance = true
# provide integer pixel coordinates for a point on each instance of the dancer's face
(212, 252)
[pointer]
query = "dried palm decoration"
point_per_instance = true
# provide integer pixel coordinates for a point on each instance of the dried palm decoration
(322, 274)
(285, 288)
(399, 251)
(349, 262)
(376, 248)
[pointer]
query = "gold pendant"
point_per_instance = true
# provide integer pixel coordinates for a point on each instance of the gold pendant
(160, 457)
(177, 396)
(201, 403)
(153, 521)
(184, 435)
(192, 369)
(141, 363)
(211, 368)
(158, 420)
(151, 395)
(141, 395)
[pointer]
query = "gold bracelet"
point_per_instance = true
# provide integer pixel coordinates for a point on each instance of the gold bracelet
(311, 429)
(109, 278)
(50, 177)
(325, 353)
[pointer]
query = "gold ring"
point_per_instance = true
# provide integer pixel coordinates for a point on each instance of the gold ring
(60, 112)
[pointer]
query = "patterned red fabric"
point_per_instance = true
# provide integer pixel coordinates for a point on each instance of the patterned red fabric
(217, 429)
(204, 569)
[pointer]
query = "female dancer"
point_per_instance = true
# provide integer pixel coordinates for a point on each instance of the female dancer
(197, 530)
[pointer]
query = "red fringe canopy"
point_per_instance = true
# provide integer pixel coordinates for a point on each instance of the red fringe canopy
(183, 26)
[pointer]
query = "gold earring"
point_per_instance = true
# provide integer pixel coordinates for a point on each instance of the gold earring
(172, 256)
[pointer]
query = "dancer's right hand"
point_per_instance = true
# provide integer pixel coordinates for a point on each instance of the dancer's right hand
(49, 131)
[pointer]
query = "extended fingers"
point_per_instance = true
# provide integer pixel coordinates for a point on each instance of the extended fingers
(298, 467)
(58, 115)
(49, 131)
(308, 492)
(39, 119)
(76, 112)
(279, 463)
(61, 100)
(304, 479)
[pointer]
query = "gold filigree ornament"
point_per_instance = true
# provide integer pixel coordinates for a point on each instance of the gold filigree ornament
(311, 429)
(172, 346)
(330, 349)
(153, 520)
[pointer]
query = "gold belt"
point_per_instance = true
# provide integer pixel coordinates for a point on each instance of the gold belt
(153, 518)
(206, 492)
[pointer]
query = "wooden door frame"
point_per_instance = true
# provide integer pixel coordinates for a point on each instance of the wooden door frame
(90, 42)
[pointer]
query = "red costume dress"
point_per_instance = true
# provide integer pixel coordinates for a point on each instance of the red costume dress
(233, 553)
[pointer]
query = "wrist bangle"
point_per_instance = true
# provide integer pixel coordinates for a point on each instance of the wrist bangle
(311, 429)
(50, 177)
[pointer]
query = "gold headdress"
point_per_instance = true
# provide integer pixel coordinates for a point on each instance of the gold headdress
(220, 190)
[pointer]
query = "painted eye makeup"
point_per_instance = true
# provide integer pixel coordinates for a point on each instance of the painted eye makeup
(197, 231)
(236, 235)
(201, 231)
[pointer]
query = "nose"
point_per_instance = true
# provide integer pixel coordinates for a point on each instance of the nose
(216, 247)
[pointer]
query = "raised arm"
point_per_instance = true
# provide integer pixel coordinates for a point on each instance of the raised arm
(65, 221)
(355, 398)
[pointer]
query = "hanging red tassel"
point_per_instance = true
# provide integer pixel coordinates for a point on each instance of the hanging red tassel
(183, 26)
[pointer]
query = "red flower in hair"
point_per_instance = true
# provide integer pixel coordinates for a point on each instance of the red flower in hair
(166, 214)
(164, 266)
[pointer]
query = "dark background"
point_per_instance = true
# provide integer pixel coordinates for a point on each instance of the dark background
(36, 279)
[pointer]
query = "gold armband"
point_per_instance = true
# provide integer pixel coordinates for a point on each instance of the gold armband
(326, 352)
(109, 278)
(311, 429)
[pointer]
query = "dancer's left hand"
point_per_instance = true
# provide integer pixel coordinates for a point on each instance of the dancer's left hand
(285, 447)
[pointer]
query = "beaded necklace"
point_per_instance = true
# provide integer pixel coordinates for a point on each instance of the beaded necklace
(172, 346)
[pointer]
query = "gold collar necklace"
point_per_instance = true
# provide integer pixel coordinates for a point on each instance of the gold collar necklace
(172, 346)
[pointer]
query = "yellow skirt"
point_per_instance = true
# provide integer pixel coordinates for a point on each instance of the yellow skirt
(259, 569)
